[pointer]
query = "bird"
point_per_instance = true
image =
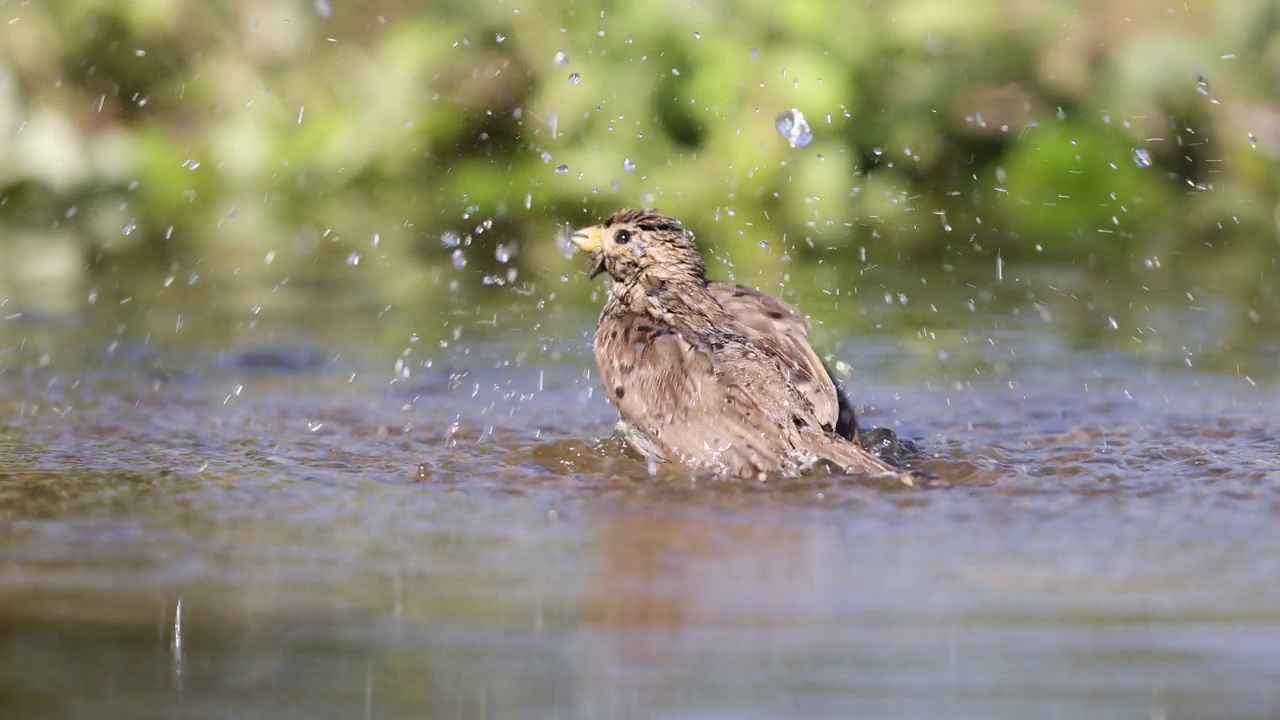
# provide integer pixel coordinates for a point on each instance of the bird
(716, 376)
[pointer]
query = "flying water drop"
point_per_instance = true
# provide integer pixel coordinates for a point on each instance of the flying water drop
(794, 128)
(1141, 157)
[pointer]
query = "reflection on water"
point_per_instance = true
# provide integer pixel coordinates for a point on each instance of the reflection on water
(351, 511)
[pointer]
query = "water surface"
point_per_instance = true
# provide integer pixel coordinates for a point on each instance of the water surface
(314, 504)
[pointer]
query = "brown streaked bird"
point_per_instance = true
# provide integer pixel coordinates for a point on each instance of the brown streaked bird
(713, 375)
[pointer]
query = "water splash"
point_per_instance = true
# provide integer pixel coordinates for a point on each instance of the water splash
(794, 128)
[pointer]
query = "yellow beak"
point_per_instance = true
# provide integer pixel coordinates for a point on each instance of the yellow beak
(588, 240)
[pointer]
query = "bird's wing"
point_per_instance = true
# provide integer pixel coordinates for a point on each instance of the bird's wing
(768, 318)
(674, 393)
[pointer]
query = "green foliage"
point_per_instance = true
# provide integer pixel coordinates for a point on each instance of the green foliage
(1078, 186)
(176, 127)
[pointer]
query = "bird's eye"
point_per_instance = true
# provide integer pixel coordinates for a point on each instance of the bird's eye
(623, 237)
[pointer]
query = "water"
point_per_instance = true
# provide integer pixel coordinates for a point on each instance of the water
(406, 512)
(792, 126)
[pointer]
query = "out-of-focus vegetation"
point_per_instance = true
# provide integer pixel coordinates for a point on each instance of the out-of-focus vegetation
(283, 134)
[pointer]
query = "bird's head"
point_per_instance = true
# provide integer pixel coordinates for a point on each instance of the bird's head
(641, 244)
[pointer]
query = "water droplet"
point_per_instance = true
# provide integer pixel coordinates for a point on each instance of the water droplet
(565, 245)
(792, 126)
(562, 169)
(697, 36)
(574, 78)
(504, 253)
(450, 239)
(562, 59)
(1202, 85)
(191, 164)
(500, 38)
(675, 71)
(628, 165)
(459, 259)
(353, 259)
(322, 7)
(1141, 157)
(1253, 140)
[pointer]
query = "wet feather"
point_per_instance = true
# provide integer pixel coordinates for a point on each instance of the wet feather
(716, 376)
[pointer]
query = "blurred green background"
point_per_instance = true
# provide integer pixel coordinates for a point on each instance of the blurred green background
(276, 138)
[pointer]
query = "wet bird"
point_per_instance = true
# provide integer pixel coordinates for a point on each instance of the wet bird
(713, 375)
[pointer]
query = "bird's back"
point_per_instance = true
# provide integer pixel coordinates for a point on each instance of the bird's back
(766, 317)
(719, 397)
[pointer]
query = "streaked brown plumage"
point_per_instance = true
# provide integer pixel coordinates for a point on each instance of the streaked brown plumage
(713, 375)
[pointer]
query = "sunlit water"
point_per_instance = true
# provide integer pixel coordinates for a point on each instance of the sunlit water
(263, 514)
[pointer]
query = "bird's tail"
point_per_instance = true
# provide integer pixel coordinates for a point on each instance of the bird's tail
(851, 459)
